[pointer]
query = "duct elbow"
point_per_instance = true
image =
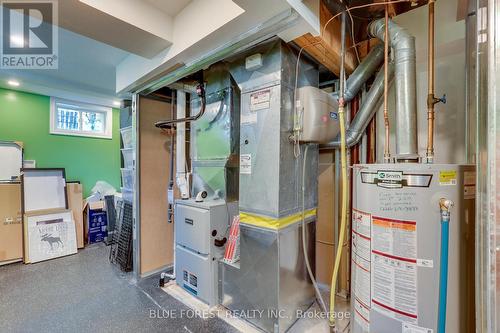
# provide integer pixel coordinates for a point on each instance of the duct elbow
(399, 37)
(351, 138)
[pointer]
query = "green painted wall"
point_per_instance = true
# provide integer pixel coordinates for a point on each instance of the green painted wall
(25, 117)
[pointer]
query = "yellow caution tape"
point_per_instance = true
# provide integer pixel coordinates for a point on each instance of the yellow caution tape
(274, 223)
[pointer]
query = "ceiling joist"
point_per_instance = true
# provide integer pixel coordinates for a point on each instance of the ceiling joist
(326, 48)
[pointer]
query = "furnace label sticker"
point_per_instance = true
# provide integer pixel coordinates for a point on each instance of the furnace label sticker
(260, 100)
(190, 282)
(360, 267)
(448, 177)
(246, 164)
(248, 118)
(394, 268)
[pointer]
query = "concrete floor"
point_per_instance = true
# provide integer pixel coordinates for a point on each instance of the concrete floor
(85, 293)
(311, 322)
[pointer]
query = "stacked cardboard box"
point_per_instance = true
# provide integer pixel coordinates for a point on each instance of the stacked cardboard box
(75, 203)
(11, 224)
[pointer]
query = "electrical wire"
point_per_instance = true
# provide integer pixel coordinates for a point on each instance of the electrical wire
(352, 38)
(296, 116)
(304, 243)
(359, 7)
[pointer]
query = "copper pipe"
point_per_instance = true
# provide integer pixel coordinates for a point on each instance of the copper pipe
(372, 142)
(431, 99)
(387, 151)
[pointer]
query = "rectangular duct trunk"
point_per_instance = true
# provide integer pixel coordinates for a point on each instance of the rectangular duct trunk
(272, 276)
(270, 181)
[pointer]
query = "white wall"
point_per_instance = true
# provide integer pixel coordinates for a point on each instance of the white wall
(205, 25)
(450, 80)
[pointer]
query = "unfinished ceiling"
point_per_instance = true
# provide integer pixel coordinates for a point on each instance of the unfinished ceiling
(325, 47)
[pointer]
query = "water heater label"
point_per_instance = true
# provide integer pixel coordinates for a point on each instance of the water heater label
(448, 177)
(362, 315)
(426, 263)
(409, 328)
(246, 164)
(390, 179)
(361, 267)
(394, 268)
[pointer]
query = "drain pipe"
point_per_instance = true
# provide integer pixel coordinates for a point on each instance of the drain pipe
(371, 104)
(200, 90)
(170, 191)
(180, 158)
(406, 98)
(180, 167)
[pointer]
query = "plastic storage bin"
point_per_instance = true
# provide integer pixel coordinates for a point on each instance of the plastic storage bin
(128, 178)
(127, 137)
(128, 157)
(127, 194)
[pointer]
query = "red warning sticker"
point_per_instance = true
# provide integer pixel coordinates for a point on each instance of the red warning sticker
(394, 268)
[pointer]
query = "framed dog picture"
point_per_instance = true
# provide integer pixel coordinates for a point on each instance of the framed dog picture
(49, 234)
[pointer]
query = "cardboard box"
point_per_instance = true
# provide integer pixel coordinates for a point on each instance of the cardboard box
(96, 222)
(325, 255)
(11, 223)
(326, 219)
(75, 203)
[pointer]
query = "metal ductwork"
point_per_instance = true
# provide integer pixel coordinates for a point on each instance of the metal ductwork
(371, 103)
(363, 72)
(403, 45)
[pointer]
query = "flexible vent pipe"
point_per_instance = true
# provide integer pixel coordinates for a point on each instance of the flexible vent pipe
(406, 97)
(370, 106)
(363, 72)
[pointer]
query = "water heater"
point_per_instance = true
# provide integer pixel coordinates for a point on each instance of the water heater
(396, 242)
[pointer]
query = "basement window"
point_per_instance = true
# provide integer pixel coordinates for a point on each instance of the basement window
(80, 119)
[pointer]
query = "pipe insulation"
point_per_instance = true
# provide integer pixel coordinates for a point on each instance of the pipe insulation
(371, 104)
(403, 45)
